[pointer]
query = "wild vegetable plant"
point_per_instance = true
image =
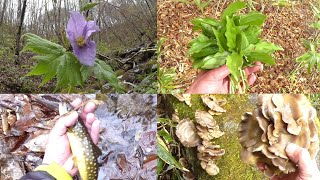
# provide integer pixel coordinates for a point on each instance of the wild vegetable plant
(71, 69)
(311, 58)
(165, 76)
(232, 41)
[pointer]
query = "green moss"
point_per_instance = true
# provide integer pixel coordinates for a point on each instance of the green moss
(231, 167)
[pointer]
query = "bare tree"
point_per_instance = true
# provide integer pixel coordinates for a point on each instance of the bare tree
(18, 37)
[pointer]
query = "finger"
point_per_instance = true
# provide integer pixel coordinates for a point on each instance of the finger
(88, 108)
(251, 79)
(261, 166)
(218, 73)
(301, 157)
(89, 120)
(77, 102)
(95, 131)
(257, 67)
(61, 125)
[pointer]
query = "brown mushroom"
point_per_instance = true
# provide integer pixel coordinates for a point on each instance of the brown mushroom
(187, 133)
(213, 103)
(278, 120)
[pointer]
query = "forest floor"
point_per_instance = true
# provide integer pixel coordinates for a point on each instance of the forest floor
(136, 70)
(127, 136)
(285, 26)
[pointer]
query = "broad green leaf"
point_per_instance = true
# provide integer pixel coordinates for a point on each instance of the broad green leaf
(213, 61)
(221, 40)
(210, 50)
(233, 8)
(231, 34)
(209, 21)
(304, 57)
(88, 6)
(41, 46)
(86, 71)
(234, 63)
(165, 155)
(68, 72)
(160, 166)
(252, 33)
(262, 57)
(105, 72)
(252, 18)
(262, 47)
(201, 42)
(206, 29)
(244, 41)
(46, 66)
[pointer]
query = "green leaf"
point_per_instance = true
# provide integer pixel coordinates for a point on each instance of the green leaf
(88, 6)
(234, 63)
(233, 8)
(210, 50)
(316, 25)
(252, 33)
(86, 71)
(312, 62)
(262, 57)
(104, 72)
(252, 18)
(41, 46)
(209, 21)
(304, 57)
(244, 41)
(262, 47)
(221, 40)
(68, 72)
(46, 66)
(198, 44)
(165, 155)
(165, 135)
(213, 61)
(231, 34)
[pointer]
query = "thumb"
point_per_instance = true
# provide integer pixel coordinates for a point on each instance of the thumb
(301, 157)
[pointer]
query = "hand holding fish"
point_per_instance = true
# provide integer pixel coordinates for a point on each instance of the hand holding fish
(58, 148)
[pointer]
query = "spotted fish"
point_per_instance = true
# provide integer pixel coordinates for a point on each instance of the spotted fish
(84, 151)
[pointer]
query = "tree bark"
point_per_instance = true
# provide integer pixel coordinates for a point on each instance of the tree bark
(18, 37)
(4, 7)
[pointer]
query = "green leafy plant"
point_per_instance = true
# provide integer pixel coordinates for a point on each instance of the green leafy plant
(165, 76)
(311, 58)
(54, 61)
(233, 41)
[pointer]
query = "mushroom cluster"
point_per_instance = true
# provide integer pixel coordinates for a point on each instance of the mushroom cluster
(200, 133)
(277, 120)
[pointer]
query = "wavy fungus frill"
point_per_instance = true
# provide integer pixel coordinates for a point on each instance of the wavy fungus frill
(277, 120)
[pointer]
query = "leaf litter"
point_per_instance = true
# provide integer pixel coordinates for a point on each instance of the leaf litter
(127, 133)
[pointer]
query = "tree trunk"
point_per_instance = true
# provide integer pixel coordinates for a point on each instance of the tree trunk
(18, 37)
(4, 7)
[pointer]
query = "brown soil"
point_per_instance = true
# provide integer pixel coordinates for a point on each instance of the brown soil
(285, 26)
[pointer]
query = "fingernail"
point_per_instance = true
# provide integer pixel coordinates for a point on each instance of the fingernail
(291, 148)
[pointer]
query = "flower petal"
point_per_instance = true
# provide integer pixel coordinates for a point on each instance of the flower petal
(86, 54)
(75, 26)
(90, 28)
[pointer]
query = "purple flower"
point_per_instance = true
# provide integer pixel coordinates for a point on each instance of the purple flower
(78, 32)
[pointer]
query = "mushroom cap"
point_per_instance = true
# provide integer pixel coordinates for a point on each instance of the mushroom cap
(205, 119)
(277, 120)
(213, 103)
(187, 133)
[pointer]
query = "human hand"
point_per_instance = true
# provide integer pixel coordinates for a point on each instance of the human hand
(307, 167)
(217, 81)
(58, 146)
